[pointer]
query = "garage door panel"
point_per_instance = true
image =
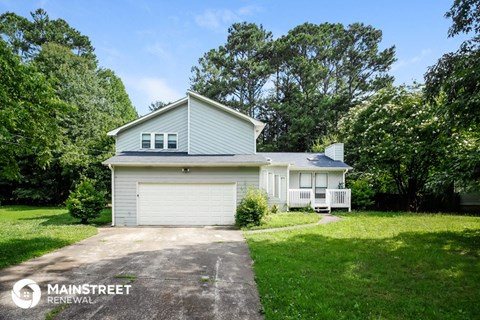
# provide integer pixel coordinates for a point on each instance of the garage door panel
(186, 204)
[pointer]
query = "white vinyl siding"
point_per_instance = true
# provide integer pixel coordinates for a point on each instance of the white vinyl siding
(172, 121)
(214, 131)
(127, 178)
(273, 180)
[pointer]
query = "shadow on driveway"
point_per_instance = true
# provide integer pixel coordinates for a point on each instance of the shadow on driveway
(174, 273)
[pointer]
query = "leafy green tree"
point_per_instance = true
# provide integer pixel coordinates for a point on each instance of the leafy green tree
(27, 106)
(396, 134)
(362, 194)
(85, 202)
(454, 81)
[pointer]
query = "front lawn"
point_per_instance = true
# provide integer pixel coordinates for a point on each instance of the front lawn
(286, 219)
(28, 231)
(371, 265)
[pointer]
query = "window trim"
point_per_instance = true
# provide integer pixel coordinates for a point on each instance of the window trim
(165, 140)
(276, 188)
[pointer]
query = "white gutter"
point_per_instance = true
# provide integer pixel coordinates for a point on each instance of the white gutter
(180, 165)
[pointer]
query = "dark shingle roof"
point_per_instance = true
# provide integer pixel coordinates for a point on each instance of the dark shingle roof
(305, 160)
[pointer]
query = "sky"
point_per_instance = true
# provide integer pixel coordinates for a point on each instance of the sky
(153, 44)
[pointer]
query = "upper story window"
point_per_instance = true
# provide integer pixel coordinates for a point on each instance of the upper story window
(159, 140)
(146, 140)
(172, 141)
(153, 140)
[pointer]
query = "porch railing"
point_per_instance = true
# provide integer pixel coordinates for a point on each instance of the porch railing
(339, 198)
(300, 198)
(334, 198)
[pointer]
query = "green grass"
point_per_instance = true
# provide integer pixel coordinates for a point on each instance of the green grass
(371, 265)
(286, 219)
(28, 231)
(52, 315)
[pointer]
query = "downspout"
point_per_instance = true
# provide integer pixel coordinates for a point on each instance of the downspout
(344, 183)
(113, 194)
(288, 187)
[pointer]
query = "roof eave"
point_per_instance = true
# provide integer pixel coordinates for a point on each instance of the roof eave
(177, 165)
(297, 168)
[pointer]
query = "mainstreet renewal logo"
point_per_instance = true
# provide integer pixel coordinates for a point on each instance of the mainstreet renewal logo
(26, 293)
(26, 298)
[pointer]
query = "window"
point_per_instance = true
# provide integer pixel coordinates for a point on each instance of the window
(321, 184)
(159, 141)
(276, 190)
(146, 141)
(270, 184)
(305, 180)
(172, 141)
(153, 140)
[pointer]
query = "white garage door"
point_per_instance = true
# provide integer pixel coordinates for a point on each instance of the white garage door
(186, 203)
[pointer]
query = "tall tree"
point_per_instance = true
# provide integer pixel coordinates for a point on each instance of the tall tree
(27, 37)
(27, 106)
(322, 71)
(395, 134)
(455, 76)
(455, 81)
(237, 72)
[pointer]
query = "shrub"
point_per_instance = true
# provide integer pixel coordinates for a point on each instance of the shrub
(252, 208)
(274, 209)
(362, 194)
(85, 202)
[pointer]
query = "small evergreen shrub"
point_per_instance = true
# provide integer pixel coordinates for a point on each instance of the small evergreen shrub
(362, 194)
(85, 202)
(252, 208)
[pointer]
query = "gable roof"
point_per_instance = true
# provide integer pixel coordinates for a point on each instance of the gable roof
(305, 160)
(256, 123)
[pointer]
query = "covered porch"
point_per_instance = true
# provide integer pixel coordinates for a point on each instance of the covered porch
(334, 198)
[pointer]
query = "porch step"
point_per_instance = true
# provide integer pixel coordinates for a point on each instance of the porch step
(322, 209)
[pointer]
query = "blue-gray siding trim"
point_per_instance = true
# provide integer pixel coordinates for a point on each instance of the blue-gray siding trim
(213, 131)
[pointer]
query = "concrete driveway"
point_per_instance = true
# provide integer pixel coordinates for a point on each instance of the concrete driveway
(174, 273)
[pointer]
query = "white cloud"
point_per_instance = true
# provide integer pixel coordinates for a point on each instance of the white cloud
(158, 50)
(145, 90)
(407, 62)
(157, 89)
(219, 19)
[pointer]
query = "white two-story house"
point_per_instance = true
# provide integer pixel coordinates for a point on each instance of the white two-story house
(191, 162)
